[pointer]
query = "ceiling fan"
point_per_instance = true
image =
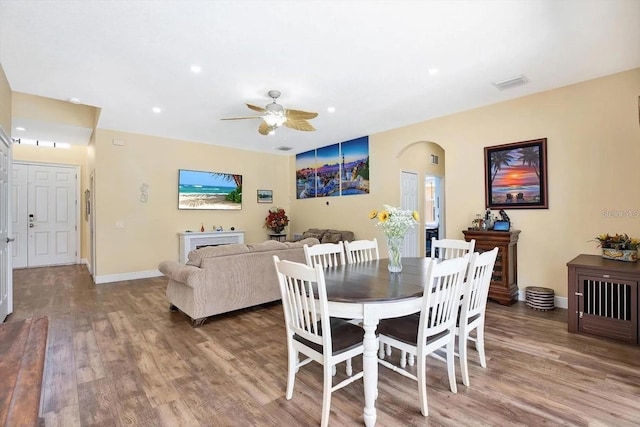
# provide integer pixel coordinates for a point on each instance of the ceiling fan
(275, 115)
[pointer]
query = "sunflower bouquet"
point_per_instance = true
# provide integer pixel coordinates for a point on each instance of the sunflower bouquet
(395, 221)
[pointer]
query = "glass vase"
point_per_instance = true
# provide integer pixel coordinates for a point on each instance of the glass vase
(394, 244)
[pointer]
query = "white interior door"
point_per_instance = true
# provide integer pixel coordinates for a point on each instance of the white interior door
(51, 204)
(409, 201)
(6, 286)
(43, 214)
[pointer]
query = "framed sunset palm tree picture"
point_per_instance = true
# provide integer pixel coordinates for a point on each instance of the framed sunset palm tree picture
(516, 175)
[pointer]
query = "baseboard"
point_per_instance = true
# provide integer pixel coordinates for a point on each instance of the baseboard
(560, 302)
(109, 278)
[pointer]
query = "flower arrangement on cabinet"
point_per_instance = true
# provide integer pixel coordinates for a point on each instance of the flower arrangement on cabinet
(276, 220)
(618, 241)
(619, 247)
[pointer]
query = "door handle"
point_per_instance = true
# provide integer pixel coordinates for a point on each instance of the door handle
(11, 239)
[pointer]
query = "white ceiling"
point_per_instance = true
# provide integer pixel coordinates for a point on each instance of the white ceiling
(368, 59)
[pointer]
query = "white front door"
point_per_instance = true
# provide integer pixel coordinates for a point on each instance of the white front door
(6, 274)
(409, 201)
(45, 214)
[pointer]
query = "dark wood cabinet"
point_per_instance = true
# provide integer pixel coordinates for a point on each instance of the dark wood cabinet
(603, 297)
(504, 282)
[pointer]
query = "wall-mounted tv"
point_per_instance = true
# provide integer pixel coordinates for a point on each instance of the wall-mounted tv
(209, 190)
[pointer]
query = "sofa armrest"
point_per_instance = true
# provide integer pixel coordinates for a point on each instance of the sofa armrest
(188, 274)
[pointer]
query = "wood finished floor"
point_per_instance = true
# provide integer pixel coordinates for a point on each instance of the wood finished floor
(116, 356)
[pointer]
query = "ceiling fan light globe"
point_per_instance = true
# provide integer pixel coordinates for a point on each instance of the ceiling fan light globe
(274, 120)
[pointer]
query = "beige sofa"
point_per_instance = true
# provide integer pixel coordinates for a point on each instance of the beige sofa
(219, 279)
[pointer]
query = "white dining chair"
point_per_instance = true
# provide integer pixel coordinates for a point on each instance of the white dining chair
(451, 248)
(361, 250)
(472, 308)
(324, 254)
(433, 328)
(311, 331)
(328, 255)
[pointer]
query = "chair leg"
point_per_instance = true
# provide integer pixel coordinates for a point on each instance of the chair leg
(291, 373)
(403, 359)
(411, 359)
(422, 384)
(349, 367)
(480, 345)
(462, 351)
(326, 396)
(451, 363)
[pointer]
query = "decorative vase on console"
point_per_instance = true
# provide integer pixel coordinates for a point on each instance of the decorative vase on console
(395, 223)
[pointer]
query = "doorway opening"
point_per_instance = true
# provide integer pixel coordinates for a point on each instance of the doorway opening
(433, 210)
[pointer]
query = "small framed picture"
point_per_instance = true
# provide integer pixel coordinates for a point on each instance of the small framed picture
(265, 196)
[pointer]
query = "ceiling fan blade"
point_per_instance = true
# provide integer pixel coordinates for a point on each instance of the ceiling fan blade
(256, 108)
(242, 118)
(299, 114)
(299, 124)
(264, 128)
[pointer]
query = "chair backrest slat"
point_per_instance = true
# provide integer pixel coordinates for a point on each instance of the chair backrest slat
(451, 248)
(304, 307)
(442, 296)
(362, 250)
(478, 282)
(325, 254)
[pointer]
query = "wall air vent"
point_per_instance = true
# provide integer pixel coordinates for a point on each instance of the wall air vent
(511, 82)
(283, 148)
(434, 159)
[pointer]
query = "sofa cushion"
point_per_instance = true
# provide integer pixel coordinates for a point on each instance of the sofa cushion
(269, 245)
(314, 233)
(331, 236)
(310, 241)
(196, 255)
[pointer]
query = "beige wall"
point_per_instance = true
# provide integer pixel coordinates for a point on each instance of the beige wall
(150, 229)
(5, 102)
(593, 151)
(53, 111)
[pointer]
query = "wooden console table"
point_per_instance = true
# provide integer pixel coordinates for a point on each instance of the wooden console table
(504, 281)
(23, 346)
(603, 297)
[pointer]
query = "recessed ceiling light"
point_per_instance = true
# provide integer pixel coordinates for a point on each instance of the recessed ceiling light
(195, 69)
(20, 128)
(433, 71)
(74, 100)
(156, 110)
(331, 109)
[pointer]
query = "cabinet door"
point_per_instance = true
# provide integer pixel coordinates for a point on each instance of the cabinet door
(608, 307)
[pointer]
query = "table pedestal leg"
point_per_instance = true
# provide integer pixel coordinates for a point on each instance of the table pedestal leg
(370, 368)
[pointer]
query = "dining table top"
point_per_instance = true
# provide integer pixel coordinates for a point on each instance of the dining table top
(371, 281)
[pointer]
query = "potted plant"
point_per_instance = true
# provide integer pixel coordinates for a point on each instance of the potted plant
(277, 220)
(620, 247)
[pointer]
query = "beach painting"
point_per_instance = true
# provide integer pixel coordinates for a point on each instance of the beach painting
(355, 166)
(209, 190)
(306, 175)
(516, 175)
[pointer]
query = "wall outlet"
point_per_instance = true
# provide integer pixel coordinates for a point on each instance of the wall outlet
(119, 224)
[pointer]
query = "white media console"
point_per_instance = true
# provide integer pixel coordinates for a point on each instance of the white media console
(194, 240)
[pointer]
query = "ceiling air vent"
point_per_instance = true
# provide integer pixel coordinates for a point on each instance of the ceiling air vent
(283, 148)
(511, 82)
